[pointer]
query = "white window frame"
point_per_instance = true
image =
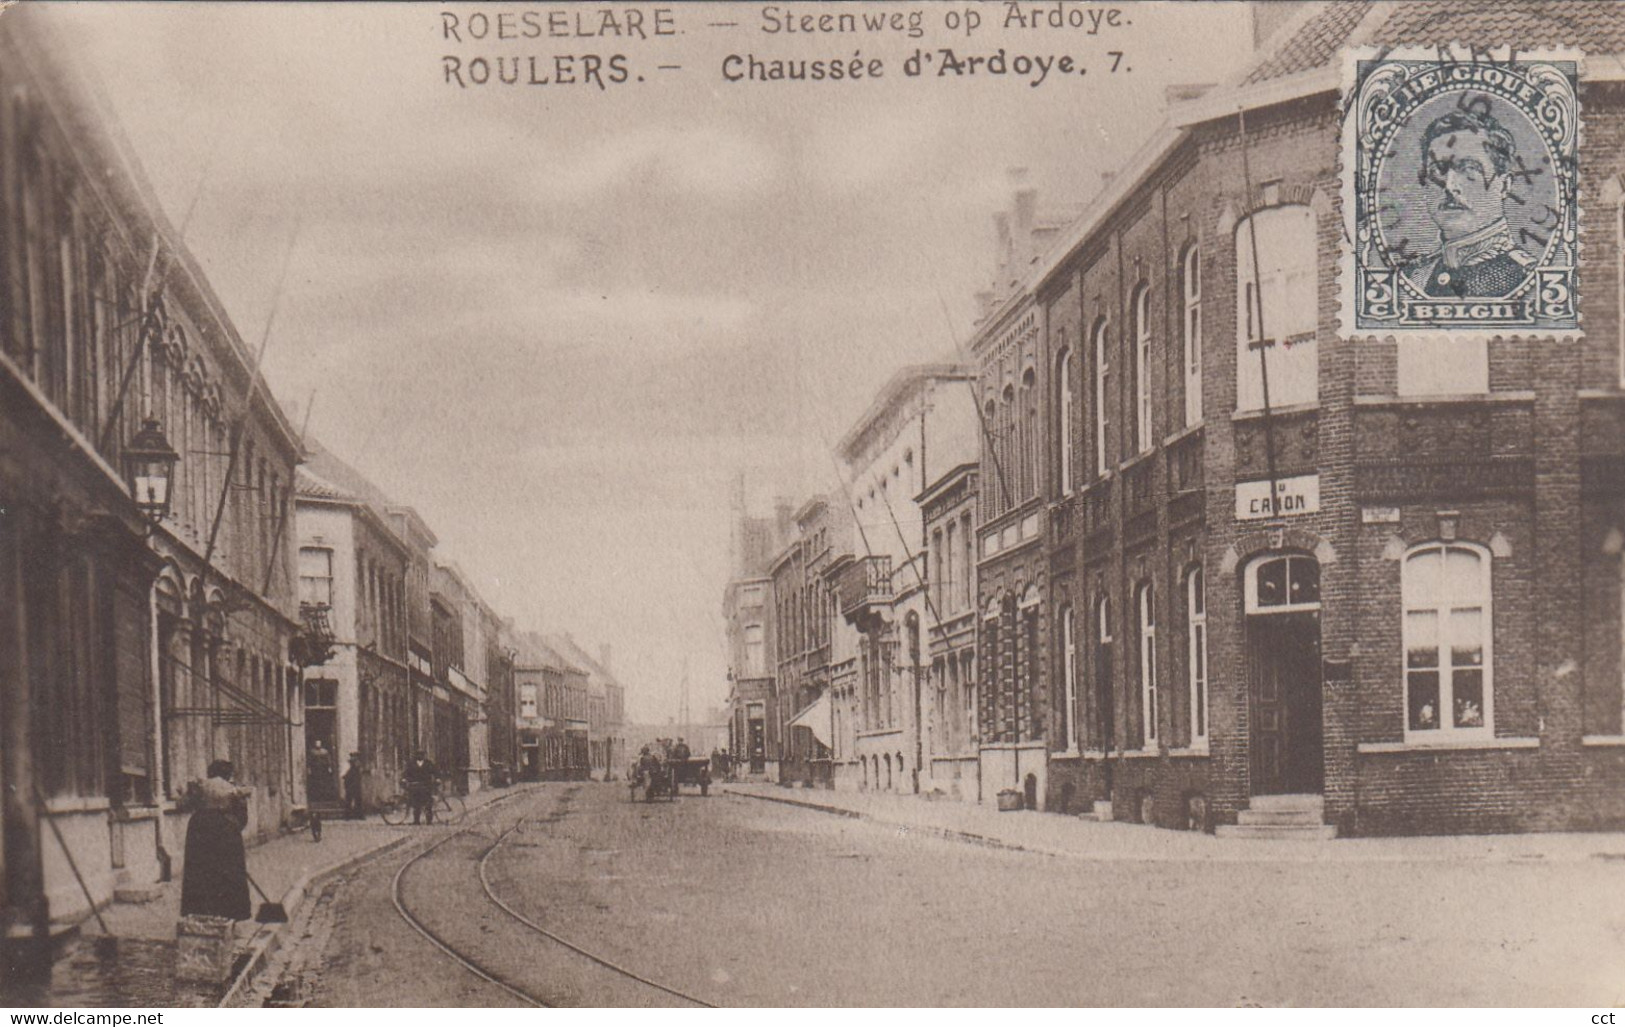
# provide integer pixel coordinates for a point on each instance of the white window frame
(1191, 286)
(533, 703)
(327, 552)
(1250, 586)
(755, 651)
(1142, 368)
(1443, 365)
(1282, 273)
(1069, 670)
(1197, 665)
(967, 682)
(1063, 371)
(1442, 606)
(1031, 446)
(1145, 604)
(1102, 369)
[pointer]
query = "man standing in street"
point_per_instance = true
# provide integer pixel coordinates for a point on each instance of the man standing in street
(420, 778)
(352, 788)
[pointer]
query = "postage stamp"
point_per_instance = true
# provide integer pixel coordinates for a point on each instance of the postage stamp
(1461, 191)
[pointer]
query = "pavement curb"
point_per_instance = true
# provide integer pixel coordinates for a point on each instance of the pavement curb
(264, 944)
(1264, 852)
(951, 834)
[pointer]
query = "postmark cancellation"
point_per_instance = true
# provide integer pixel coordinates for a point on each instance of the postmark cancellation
(1460, 186)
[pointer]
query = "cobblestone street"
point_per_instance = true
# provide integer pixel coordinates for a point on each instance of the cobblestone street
(690, 895)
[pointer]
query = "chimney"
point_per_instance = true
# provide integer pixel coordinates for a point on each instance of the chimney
(1026, 212)
(1106, 179)
(1269, 17)
(1001, 229)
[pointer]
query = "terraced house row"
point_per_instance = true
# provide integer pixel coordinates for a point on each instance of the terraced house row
(185, 576)
(1216, 558)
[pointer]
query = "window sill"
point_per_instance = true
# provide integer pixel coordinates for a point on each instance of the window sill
(1603, 741)
(1514, 397)
(1446, 745)
(78, 804)
(1195, 750)
(1138, 458)
(1182, 434)
(1140, 754)
(1281, 411)
(136, 814)
(1068, 754)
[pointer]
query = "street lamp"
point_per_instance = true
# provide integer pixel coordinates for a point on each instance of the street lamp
(149, 466)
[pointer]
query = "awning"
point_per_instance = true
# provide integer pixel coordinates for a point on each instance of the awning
(816, 719)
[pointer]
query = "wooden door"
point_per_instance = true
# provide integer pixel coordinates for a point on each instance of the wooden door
(1285, 733)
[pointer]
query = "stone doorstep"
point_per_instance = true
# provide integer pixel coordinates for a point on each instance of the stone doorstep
(1278, 818)
(138, 894)
(1317, 803)
(1278, 832)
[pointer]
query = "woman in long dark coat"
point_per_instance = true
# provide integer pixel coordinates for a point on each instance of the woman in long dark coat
(214, 879)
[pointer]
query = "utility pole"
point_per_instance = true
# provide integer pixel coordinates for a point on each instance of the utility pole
(682, 702)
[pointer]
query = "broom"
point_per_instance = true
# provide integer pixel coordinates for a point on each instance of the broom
(269, 912)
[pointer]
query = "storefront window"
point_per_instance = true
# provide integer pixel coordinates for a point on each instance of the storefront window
(1447, 642)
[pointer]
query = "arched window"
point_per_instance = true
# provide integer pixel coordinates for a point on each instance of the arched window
(1141, 309)
(1009, 475)
(1101, 370)
(1027, 723)
(967, 679)
(1448, 687)
(1064, 429)
(1069, 676)
(1030, 444)
(1196, 660)
(1104, 695)
(1277, 305)
(1283, 584)
(967, 541)
(1144, 602)
(1191, 323)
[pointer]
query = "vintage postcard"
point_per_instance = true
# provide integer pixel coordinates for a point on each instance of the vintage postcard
(793, 505)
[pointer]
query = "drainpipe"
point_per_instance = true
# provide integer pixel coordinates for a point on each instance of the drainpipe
(25, 917)
(155, 740)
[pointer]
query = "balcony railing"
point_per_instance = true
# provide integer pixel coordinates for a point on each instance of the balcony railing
(314, 643)
(865, 586)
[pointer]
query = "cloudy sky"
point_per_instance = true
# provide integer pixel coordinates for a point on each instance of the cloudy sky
(562, 321)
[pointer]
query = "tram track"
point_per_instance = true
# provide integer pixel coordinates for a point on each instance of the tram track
(587, 965)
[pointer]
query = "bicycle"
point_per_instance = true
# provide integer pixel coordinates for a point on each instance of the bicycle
(445, 808)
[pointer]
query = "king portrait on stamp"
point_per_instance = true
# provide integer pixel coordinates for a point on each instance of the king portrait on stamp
(1467, 162)
(1461, 186)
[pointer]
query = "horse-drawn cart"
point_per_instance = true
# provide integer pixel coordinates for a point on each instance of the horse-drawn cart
(657, 780)
(696, 771)
(662, 779)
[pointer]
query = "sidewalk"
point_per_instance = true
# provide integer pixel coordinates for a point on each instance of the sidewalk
(1069, 837)
(134, 967)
